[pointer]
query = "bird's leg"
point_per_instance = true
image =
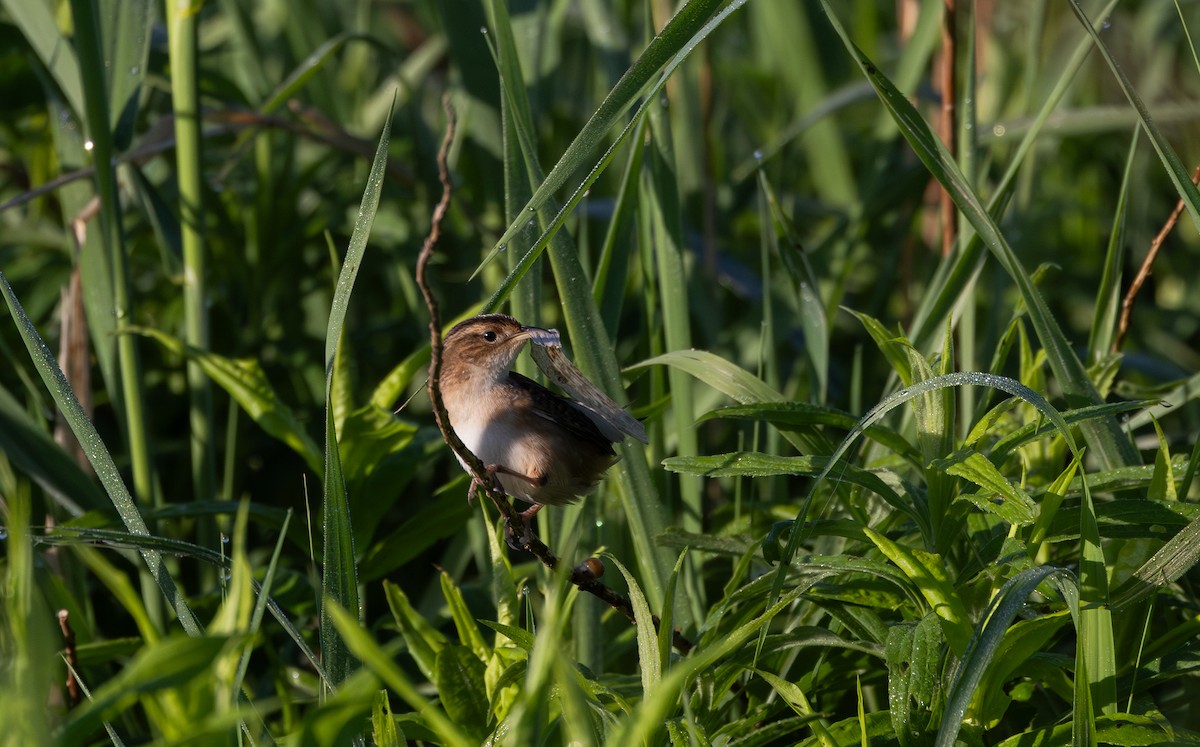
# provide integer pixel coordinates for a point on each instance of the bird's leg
(493, 470)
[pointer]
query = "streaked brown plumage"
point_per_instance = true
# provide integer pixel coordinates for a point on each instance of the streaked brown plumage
(545, 448)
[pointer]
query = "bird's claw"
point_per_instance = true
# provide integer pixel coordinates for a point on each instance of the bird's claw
(526, 537)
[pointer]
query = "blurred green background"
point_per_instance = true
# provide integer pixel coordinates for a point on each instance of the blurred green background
(181, 187)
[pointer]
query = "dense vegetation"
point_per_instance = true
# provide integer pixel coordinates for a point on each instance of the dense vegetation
(859, 266)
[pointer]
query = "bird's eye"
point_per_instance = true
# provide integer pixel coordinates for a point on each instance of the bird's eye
(489, 335)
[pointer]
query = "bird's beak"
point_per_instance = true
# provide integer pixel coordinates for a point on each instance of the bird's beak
(539, 336)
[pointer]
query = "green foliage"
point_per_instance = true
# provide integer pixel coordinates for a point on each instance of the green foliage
(887, 498)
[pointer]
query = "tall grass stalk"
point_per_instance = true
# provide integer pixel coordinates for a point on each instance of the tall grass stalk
(185, 89)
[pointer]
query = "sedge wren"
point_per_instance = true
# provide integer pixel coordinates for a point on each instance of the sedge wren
(544, 448)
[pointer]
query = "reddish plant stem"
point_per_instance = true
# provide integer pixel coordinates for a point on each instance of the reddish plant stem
(1147, 265)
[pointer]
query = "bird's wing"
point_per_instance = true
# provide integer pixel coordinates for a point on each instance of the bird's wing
(572, 415)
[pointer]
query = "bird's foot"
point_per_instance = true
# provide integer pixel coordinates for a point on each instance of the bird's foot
(522, 538)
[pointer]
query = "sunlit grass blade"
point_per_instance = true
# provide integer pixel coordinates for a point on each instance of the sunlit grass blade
(1095, 644)
(926, 571)
(647, 719)
(171, 663)
(987, 638)
(1176, 557)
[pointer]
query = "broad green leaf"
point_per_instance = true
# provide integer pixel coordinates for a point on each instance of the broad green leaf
(1015, 505)
(458, 674)
(424, 641)
(926, 571)
(468, 632)
(384, 732)
(914, 661)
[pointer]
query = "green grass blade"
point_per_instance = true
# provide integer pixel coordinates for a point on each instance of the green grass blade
(1108, 294)
(649, 664)
(676, 41)
(1095, 643)
(660, 206)
(127, 28)
(185, 100)
(89, 42)
(97, 453)
(38, 27)
(339, 580)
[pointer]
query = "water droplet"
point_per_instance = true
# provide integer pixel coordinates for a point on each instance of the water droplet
(1107, 25)
(502, 248)
(224, 538)
(3, 533)
(599, 523)
(999, 130)
(483, 30)
(758, 155)
(88, 145)
(135, 70)
(532, 209)
(663, 102)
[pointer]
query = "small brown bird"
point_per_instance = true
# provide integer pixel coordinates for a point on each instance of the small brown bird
(543, 447)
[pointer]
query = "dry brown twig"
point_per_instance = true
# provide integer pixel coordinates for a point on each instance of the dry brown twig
(72, 659)
(584, 575)
(1144, 271)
